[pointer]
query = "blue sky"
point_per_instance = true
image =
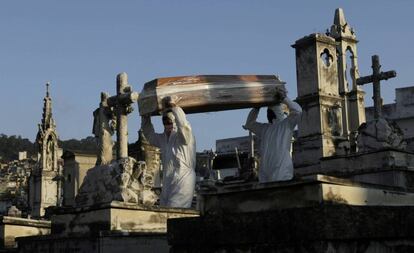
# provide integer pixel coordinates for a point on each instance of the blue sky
(80, 46)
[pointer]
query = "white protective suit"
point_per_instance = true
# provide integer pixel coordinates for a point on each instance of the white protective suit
(275, 141)
(178, 155)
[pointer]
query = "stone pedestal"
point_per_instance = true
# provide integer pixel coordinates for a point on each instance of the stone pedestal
(321, 229)
(389, 167)
(123, 180)
(115, 216)
(313, 214)
(12, 227)
(308, 191)
(111, 227)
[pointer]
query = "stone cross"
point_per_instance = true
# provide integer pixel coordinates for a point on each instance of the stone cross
(122, 104)
(375, 79)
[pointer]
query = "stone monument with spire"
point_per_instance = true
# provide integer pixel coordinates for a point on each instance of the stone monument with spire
(44, 186)
(333, 103)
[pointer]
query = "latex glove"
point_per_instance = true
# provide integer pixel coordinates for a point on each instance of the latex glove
(170, 101)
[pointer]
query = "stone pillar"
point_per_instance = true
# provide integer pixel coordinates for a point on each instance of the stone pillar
(320, 129)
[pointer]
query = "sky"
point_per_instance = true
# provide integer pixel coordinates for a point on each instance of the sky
(80, 46)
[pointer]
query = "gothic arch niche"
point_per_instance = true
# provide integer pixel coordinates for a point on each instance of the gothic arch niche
(326, 57)
(50, 153)
(349, 68)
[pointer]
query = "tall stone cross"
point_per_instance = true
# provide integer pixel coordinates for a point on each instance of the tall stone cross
(122, 104)
(375, 79)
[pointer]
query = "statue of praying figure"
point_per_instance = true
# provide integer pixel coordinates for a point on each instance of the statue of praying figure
(104, 124)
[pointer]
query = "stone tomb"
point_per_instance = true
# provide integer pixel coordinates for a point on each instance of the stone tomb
(315, 213)
(111, 227)
(307, 191)
(115, 216)
(321, 229)
(388, 167)
(12, 227)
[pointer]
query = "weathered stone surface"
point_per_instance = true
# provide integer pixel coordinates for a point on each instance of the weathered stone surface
(401, 112)
(322, 123)
(388, 167)
(114, 216)
(306, 192)
(327, 228)
(12, 227)
(76, 165)
(379, 134)
(152, 157)
(122, 180)
(357, 163)
(375, 161)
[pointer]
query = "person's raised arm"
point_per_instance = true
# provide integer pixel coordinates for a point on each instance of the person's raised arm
(148, 130)
(183, 126)
(295, 112)
(251, 122)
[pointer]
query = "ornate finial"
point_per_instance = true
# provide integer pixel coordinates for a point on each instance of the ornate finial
(341, 28)
(47, 120)
(47, 88)
(339, 18)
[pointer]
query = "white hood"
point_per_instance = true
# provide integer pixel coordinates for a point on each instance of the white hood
(280, 114)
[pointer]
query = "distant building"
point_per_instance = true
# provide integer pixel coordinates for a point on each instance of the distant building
(22, 155)
(14, 177)
(76, 165)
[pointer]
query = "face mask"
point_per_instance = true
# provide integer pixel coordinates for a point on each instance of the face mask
(171, 118)
(169, 115)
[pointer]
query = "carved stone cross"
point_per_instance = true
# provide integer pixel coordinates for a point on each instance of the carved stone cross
(122, 105)
(375, 79)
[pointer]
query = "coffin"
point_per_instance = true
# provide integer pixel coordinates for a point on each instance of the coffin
(209, 93)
